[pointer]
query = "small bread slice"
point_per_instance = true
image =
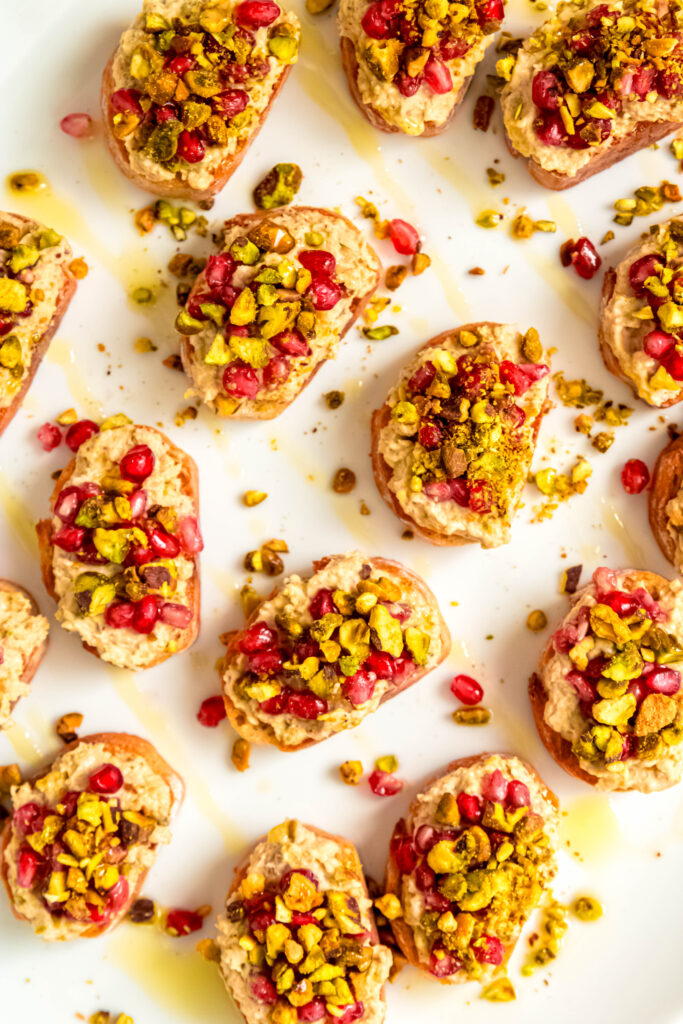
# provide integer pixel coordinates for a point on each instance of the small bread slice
(290, 339)
(440, 490)
(576, 37)
(142, 807)
(405, 620)
(306, 870)
(161, 105)
(424, 840)
(41, 287)
(664, 502)
(647, 754)
(170, 513)
(23, 643)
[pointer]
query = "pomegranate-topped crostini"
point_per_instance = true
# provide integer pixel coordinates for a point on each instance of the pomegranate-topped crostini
(595, 83)
(271, 308)
(641, 317)
(409, 63)
(120, 552)
(453, 443)
(297, 939)
(36, 287)
(189, 87)
(23, 642)
(324, 651)
(607, 697)
(665, 501)
(83, 834)
(469, 863)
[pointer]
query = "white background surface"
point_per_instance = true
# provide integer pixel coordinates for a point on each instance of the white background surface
(626, 850)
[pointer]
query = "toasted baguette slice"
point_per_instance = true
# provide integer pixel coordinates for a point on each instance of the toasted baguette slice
(345, 703)
(306, 868)
(634, 122)
(622, 334)
(150, 788)
(486, 778)
(373, 69)
(238, 103)
(398, 458)
(652, 756)
(664, 502)
(23, 643)
(45, 286)
(278, 364)
(172, 485)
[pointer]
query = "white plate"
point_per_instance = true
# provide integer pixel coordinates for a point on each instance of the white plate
(625, 850)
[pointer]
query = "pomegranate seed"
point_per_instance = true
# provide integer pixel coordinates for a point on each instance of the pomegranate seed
(191, 149)
(125, 101)
(406, 84)
(405, 240)
(594, 17)
(241, 380)
(265, 663)
(622, 603)
(384, 783)
(120, 614)
(360, 687)
(138, 503)
(49, 436)
(430, 435)
(292, 343)
(313, 1011)
(275, 705)
(635, 476)
(641, 269)
(639, 690)
(146, 612)
(403, 853)
(583, 255)
(443, 964)
(323, 293)
(657, 343)
(180, 64)
(422, 377)
(259, 637)
(664, 680)
(425, 838)
(584, 690)
(352, 1012)
(489, 950)
(522, 376)
(469, 806)
(480, 497)
(183, 922)
(377, 22)
(494, 787)
(669, 84)
(518, 794)
(211, 712)
(80, 432)
(232, 102)
(437, 75)
(550, 129)
(218, 272)
(169, 112)
(68, 538)
(467, 690)
(189, 534)
(177, 615)
(319, 262)
(256, 13)
(672, 361)
(27, 867)
(546, 90)
(29, 818)
(490, 14)
(628, 747)
(106, 780)
(263, 989)
(163, 544)
(137, 464)
(277, 371)
(68, 503)
(305, 705)
(139, 556)
(78, 126)
(322, 603)
(382, 665)
(425, 879)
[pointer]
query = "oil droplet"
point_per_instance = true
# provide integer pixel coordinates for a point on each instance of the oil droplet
(27, 182)
(19, 516)
(615, 525)
(590, 827)
(182, 982)
(62, 355)
(26, 749)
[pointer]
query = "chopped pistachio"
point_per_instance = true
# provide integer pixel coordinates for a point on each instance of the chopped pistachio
(334, 399)
(537, 621)
(344, 481)
(380, 333)
(586, 908)
(251, 498)
(472, 716)
(488, 219)
(241, 750)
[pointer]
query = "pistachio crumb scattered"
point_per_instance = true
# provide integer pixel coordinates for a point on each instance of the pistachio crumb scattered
(67, 726)
(279, 187)
(476, 271)
(145, 345)
(380, 333)
(483, 109)
(241, 749)
(142, 911)
(499, 991)
(66, 418)
(364, 510)
(344, 481)
(603, 441)
(189, 413)
(79, 268)
(209, 950)
(334, 399)
(252, 498)
(472, 716)
(537, 621)
(387, 763)
(488, 219)
(419, 262)
(351, 772)
(495, 177)
(549, 940)
(395, 276)
(569, 580)
(249, 599)
(586, 908)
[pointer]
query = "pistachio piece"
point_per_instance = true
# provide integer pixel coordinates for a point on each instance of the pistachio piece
(351, 772)
(279, 186)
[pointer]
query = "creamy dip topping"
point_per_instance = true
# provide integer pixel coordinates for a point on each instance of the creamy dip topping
(22, 632)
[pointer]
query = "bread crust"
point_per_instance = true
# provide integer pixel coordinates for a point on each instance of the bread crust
(403, 933)
(559, 748)
(190, 484)
(38, 653)
(645, 133)
(667, 480)
(116, 743)
(382, 472)
(267, 410)
(177, 189)
(64, 297)
(371, 114)
(242, 869)
(264, 733)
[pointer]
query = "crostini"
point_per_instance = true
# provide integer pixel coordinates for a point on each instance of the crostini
(120, 551)
(323, 652)
(593, 84)
(298, 940)
(607, 697)
(271, 308)
(409, 65)
(189, 88)
(36, 287)
(641, 322)
(23, 642)
(665, 502)
(452, 445)
(83, 834)
(469, 863)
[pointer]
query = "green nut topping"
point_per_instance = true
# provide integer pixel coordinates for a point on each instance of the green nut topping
(282, 183)
(13, 295)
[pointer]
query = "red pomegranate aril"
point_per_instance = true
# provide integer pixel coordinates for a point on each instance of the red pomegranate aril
(657, 343)
(430, 435)
(169, 112)
(292, 343)
(469, 806)
(211, 712)
(180, 64)
(384, 783)
(313, 1011)
(425, 838)
(163, 544)
(403, 853)
(68, 538)
(583, 256)
(68, 503)
(664, 680)
(139, 555)
(494, 787)
(106, 780)
(263, 989)
(80, 432)
(78, 126)
(480, 497)
(277, 371)
(177, 615)
(672, 361)
(405, 240)
(322, 603)
(489, 950)
(641, 269)
(460, 491)
(522, 376)
(639, 690)
(318, 261)
(381, 664)
(438, 77)
(183, 922)
(241, 380)
(621, 602)
(138, 503)
(425, 879)
(137, 464)
(231, 102)
(377, 20)
(422, 377)
(407, 84)
(27, 867)
(550, 129)
(467, 690)
(146, 612)
(287, 877)
(265, 663)
(125, 101)
(350, 1013)
(444, 964)
(635, 476)
(120, 614)
(49, 436)
(189, 535)
(490, 13)
(628, 747)
(256, 13)
(518, 794)
(258, 637)
(191, 149)
(323, 293)
(275, 705)
(218, 272)
(546, 90)
(305, 705)
(360, 687)
(584, 690)
(29, 818)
